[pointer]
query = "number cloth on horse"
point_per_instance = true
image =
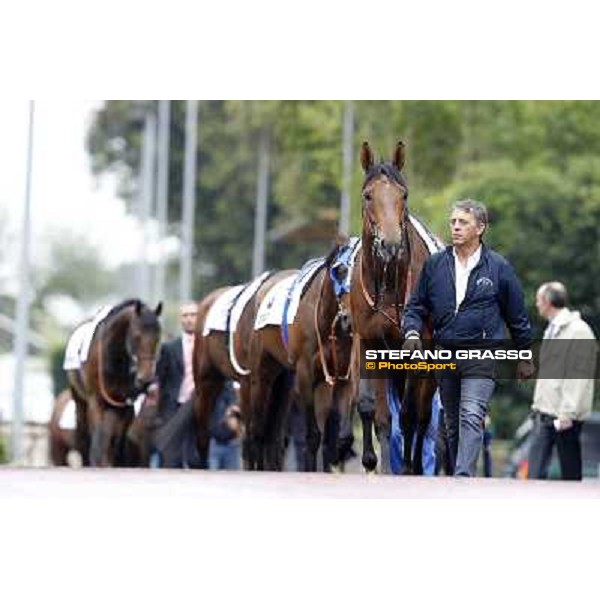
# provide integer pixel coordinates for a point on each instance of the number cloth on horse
(78, 346)
(227, 309)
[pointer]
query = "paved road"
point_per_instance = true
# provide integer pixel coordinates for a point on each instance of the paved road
(143, 484)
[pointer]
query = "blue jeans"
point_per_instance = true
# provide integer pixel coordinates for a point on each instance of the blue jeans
(224, 456)
(397, 437)
(465, 401)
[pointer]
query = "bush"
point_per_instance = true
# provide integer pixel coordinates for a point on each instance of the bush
(4, 454)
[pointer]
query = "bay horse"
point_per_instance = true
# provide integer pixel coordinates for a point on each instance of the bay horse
(387, 270)
(61, 439)
(120, 366)
(318, 352)
(212, 360)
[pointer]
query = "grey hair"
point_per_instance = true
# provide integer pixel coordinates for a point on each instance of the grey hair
(477, 209)
(555, 292)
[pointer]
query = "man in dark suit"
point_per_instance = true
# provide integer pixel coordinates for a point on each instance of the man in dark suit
(175, 440)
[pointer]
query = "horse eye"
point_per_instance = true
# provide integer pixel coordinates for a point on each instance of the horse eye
(367, 196)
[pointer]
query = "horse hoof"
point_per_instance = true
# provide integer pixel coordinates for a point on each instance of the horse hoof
(369, 462)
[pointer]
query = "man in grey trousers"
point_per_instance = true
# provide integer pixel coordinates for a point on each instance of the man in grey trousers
(470, 293)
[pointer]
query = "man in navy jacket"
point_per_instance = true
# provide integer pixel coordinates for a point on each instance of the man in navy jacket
(470, 293)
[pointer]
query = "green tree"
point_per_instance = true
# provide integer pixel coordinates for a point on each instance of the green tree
(75, 269)
(534, 164)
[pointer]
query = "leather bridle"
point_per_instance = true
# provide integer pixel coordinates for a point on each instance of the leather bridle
(133, 360)
(378, 257)
(330, 378)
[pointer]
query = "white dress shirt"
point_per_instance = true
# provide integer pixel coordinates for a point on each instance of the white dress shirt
(462, 274)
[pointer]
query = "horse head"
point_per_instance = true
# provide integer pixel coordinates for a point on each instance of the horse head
(143, 336)
(339, 276)
(385, 199)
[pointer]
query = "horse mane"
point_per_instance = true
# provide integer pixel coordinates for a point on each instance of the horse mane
(119, 307)
(339, 242)
(147, 317)
(387, 169)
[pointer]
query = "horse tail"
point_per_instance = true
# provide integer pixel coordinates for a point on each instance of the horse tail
(199, 342)
(59, 440)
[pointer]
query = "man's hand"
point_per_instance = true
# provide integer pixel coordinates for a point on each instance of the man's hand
(152, 394)
(412, 342)
(233, 417)
(525, 370)
(562, 424)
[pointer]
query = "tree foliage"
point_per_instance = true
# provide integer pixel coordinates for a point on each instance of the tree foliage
(75, 269)
(535, 164)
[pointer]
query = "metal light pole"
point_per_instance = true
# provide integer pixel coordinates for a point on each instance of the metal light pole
(344, 226)
(189, 200)
(146, 195)
(260, 217)
(20, 342)
(162, 192)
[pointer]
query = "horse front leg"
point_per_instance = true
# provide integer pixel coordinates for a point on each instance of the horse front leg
(262, 380)
(327, 424)
(103, 428)
(305, 402)
(280, 407)
(382, 424)
(313, 440)
(366, 411)
(245, 409)
(345, 406)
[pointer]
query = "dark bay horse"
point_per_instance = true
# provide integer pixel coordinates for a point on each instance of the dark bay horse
(387, 269)
(61, 439)
(212, 360)
(120, 366)
(319, 353)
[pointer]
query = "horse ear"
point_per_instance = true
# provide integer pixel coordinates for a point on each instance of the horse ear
(399, 155)
(138, 307)
(158, 309)
(366, 157)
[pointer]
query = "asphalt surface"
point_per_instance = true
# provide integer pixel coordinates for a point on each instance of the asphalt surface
(59, 483)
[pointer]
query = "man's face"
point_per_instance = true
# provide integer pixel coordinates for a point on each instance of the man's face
(188, 317)
(464, 228)
(542, 304)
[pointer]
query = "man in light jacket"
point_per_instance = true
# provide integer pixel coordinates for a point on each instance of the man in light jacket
(565, 387)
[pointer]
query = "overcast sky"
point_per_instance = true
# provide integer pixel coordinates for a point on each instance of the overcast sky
(65, 196)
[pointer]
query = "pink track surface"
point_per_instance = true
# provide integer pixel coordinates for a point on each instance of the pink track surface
(143, 484)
